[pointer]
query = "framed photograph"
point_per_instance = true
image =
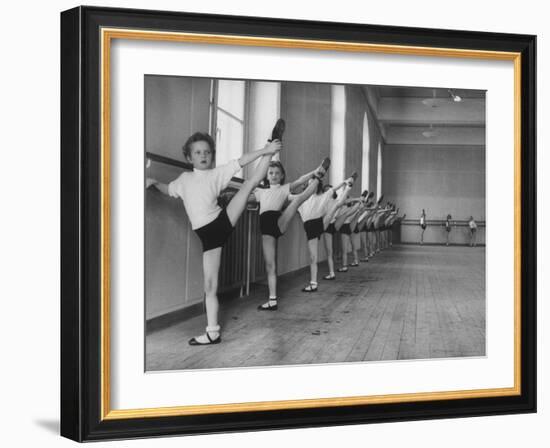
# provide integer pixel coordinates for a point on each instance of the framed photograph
(277, 224)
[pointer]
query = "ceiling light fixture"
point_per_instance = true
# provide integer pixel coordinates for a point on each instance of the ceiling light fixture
(433, 101)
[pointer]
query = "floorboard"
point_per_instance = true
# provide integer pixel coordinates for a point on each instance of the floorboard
(408, 302)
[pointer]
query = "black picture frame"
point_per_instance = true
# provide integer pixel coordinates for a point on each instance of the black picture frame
(81, 280)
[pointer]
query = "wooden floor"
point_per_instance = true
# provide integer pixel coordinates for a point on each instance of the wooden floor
(409, 302)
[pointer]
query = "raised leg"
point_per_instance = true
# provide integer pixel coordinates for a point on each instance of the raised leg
(238, 203)
(290, 211)
(329, 216)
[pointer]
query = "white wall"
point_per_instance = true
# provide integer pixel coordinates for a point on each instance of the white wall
(30, 224)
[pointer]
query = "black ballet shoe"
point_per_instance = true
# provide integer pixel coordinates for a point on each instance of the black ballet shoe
(325, 164)
(267, 307)
(353, 178)
(364, 260)
(364, 194)
(194, 341)
(342, 269)
(310, 288)
(354, 264)
(278, 130)
(329, 277)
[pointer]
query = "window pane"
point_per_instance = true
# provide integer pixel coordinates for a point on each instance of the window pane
(365, 175)
(338, 134)
(231, 97)
(379, 177)
(229, 139)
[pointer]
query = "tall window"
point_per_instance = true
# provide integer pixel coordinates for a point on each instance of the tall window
(265, 109)
(366, 154)
(338, 134)
(228, 107)
(379, 170)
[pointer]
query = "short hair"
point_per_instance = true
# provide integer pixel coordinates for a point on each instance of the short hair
(276, 164)
(319, 187)
(327, 187)
(199, 137)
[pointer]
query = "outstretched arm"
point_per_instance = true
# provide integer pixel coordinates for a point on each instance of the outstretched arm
(150, 182)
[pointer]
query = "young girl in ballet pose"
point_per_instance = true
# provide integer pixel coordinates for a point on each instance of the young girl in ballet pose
(274, 221)
(343, 225)
(317, 212)
(329, 221)
(448, 227)
(423, 226)
(199, 190)
(473, 229)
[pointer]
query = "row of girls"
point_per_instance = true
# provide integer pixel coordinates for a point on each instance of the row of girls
(324, 211)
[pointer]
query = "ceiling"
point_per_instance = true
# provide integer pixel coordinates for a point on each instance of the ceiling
(428, 116)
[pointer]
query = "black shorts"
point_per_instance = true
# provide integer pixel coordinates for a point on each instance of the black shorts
(448, 229)
(345, 229)
(215, 233)
(269, 223)
(423, 226)
(356, 230)
(331, 229)
(473, 230)
(314, 228)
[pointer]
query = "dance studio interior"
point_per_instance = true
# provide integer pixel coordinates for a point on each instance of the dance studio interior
(417, 290)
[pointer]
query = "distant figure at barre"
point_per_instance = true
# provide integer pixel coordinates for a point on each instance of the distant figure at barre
(448, 227)
(473, 230)
(423, 225)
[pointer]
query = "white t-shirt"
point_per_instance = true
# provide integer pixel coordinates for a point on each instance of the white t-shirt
(472, 224)
(199, 190)
(272, 198)
(315, 206)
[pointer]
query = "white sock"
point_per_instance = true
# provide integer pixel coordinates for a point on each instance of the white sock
(213, 332)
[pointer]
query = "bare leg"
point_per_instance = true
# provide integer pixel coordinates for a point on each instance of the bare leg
(345, 243)
(269, 246)
(448, 238)
(330, 258)
(364, 244)
(239, 202)
(422, 236)
(329, 216)
(290, 211)
(211, 267)
(313, 246)
(355, 244)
